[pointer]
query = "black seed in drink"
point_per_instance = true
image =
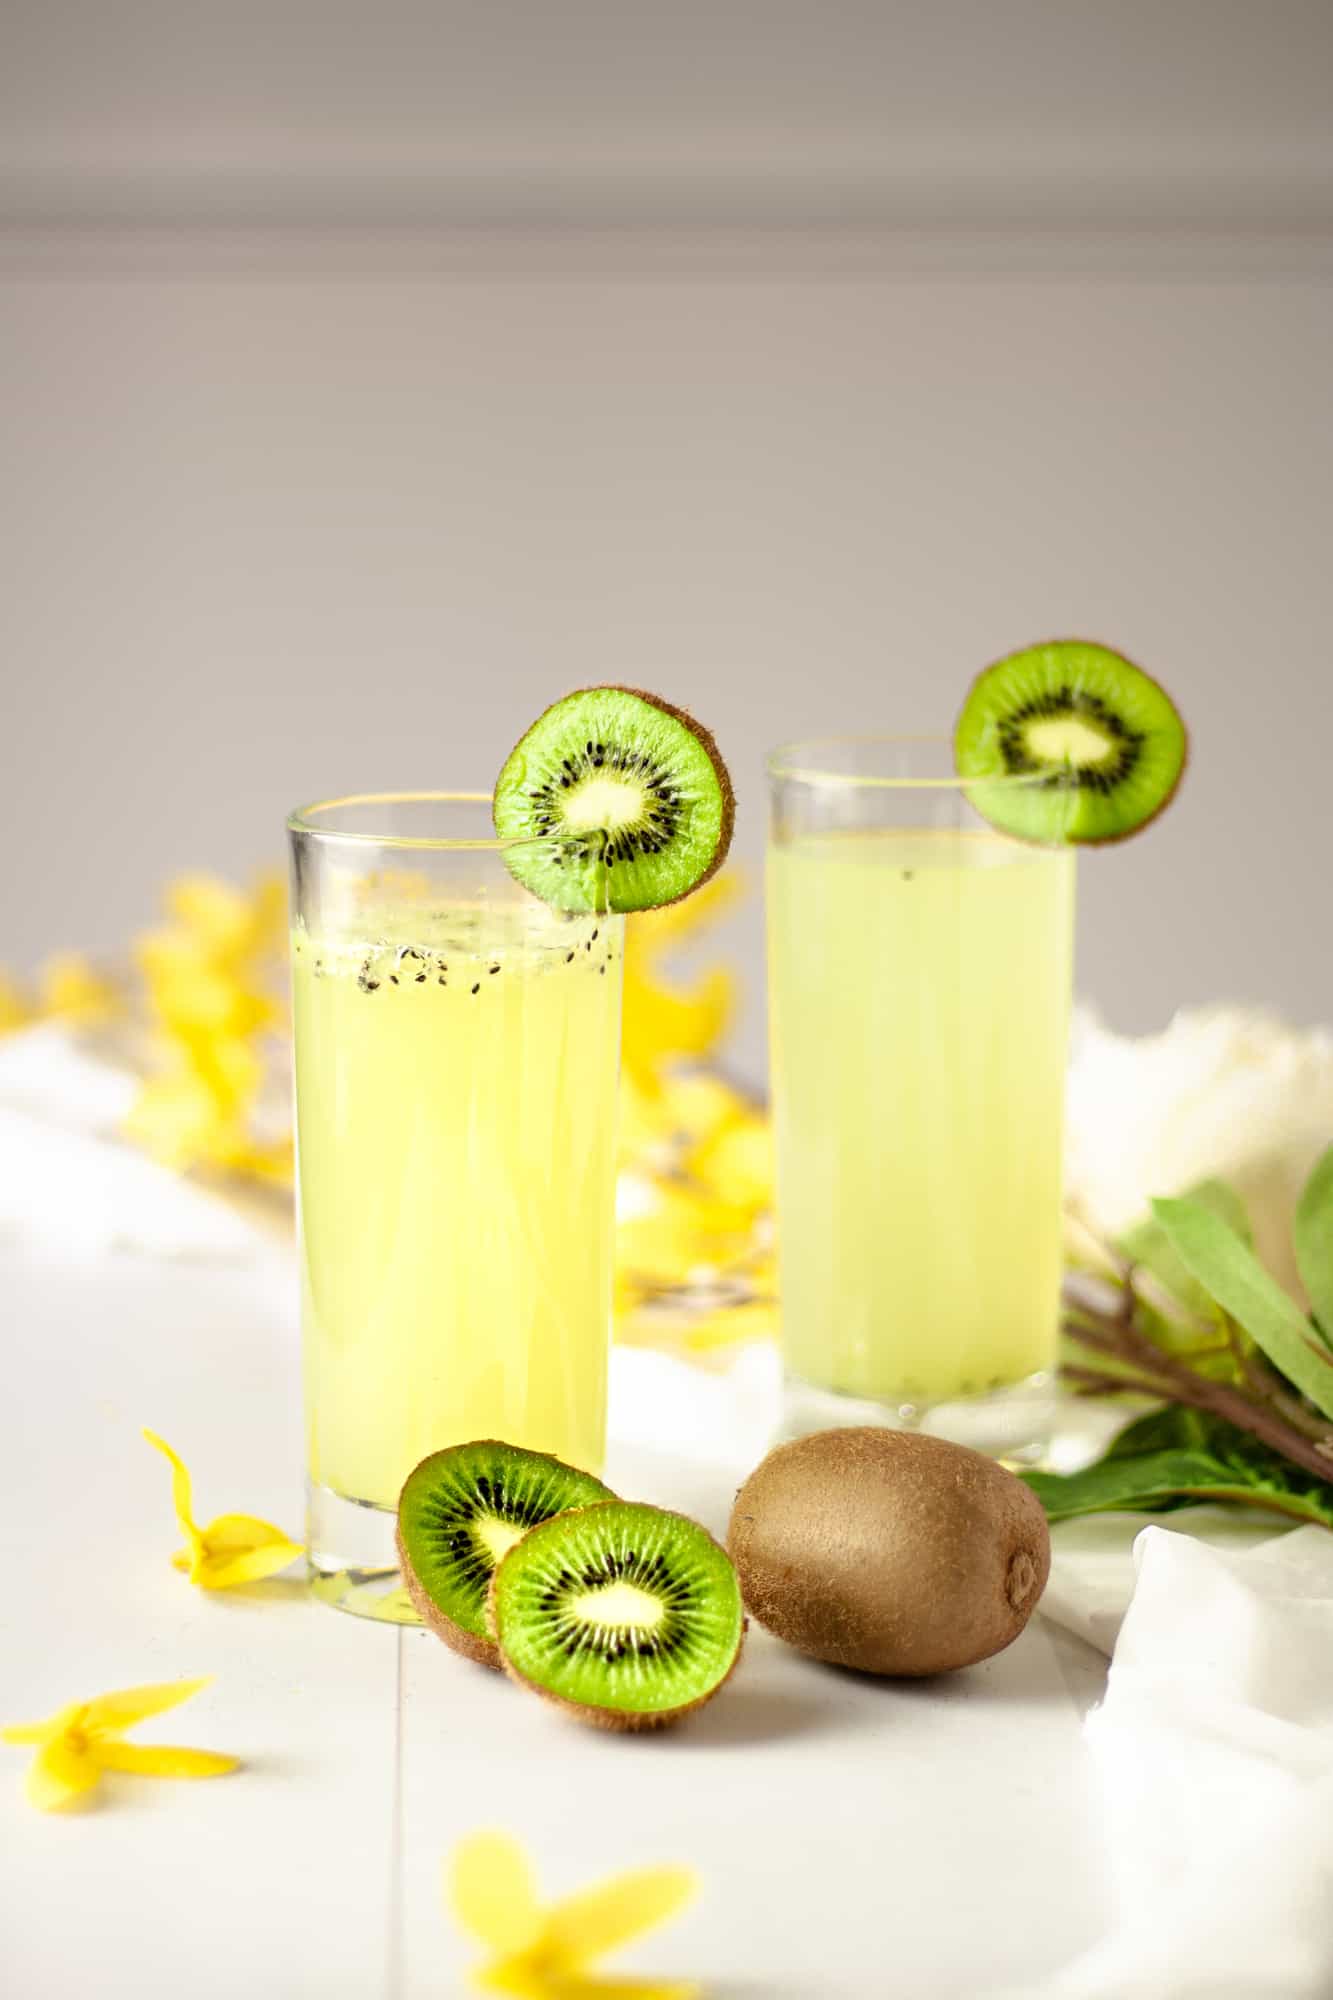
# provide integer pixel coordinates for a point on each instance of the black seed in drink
(420, 978)
(393, 979)
(492, 968)
(569, 958)
(477, 987)
(441, 981)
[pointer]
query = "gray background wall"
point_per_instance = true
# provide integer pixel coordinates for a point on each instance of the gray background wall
(367, 376)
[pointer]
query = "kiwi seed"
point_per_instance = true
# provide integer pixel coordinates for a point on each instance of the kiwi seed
(615, 800)
(1102, 744)
(626, 1616)
(889, 1551)
(459, 1511)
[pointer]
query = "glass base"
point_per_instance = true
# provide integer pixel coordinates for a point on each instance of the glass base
(351, 1559)
(1013, 1423)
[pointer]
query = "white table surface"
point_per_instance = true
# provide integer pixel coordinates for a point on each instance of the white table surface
(853, 1837)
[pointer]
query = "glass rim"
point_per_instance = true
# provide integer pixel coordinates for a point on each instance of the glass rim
(302, 821)
(799, 762)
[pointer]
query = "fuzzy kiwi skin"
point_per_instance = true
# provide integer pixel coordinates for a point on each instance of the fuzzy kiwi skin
(889, 1551)
(456, 1637)
(618, 1721)
(709, 744)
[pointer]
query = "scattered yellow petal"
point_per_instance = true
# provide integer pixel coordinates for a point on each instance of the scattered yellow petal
(163, 1760)
(234, 1548)
(601, 1919)
(127, 1706)
(82, 1740)
(490, 1888)
(59, 1774)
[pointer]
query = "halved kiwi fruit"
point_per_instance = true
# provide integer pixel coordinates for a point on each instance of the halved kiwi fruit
(625, 800)
(626, 1615)
(1102, 744)
(459, 1512)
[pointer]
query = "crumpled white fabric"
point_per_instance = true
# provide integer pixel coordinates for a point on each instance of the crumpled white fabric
(1213, 1757)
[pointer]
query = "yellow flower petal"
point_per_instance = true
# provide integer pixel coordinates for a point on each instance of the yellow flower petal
(490, 1888)
(223, 1572)
(162, 1760)
(599, 1920)
(213, 910)
(58, 1775)
(622, 1989)
(45, 1730)
(134, 1704)
(15, 1008)
(738, 1163)
(181, 1495)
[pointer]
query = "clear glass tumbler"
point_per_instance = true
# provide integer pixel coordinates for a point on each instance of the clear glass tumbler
(920, 974)
(456, 1055)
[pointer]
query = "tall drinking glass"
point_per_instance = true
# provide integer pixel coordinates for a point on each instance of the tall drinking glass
(456, 1053)
(920, 970)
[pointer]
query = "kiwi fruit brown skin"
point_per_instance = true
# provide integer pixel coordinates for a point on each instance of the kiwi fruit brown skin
(723, 775)
(705, 741)
(889, 1551)
(456, 1637)
(616, 1721)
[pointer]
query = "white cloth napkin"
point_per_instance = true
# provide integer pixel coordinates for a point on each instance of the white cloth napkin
(1213, 1756)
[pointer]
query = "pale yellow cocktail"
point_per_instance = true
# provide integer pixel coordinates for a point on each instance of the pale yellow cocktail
(456, 1079)
(919, 981)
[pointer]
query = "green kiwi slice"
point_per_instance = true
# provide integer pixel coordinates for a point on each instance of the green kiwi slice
(1102, 743)
(459, 1512)
(623, 800)
(627, 1616)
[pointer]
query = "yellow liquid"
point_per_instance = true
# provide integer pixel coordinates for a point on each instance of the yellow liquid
(455, 1101)
(920, 986)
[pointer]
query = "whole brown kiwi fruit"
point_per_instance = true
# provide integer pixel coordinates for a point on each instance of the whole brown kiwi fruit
(889, 1551)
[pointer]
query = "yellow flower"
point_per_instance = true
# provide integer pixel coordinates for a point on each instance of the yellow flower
(736, 1162)
(213, 978)
(236, 1548)
(544, 1955)
(15, 1011)
(665, 1023)
(72, 991)
(76, 1744)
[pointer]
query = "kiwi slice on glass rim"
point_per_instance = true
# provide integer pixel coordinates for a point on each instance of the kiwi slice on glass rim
(460, 1511)
(1102, 745)
(620, 800)
(627, 1616)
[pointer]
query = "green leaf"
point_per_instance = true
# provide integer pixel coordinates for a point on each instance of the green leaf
(1313, 1232)
(1176, 1456)
(1212, 1252)
(1148, 1245)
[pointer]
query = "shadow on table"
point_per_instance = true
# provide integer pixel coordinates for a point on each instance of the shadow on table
(741, 1717)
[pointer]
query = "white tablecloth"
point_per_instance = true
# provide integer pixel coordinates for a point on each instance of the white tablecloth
(854, 1837)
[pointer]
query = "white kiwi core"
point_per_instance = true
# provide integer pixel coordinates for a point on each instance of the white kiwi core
(1069, 739)
(496, 1537)
(604, 802)
(618, 1605)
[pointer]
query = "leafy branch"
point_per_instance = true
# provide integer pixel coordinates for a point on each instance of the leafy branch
(1186, 1316)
